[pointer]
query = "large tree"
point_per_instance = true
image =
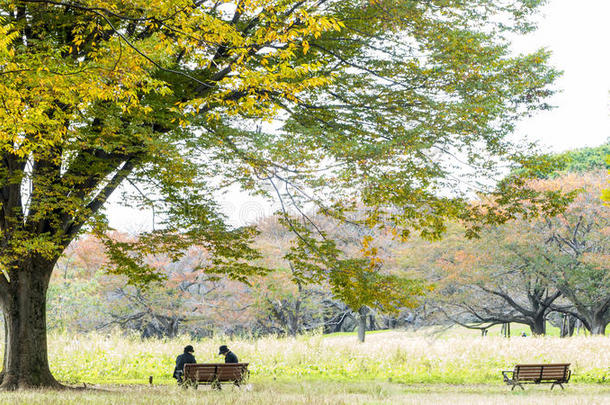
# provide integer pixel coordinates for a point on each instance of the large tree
(495, 279)
(577, 245)
(374, 101)
(523, 270)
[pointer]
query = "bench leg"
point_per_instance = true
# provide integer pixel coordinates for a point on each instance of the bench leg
(556, 383)
(216, 386)
(517, 384)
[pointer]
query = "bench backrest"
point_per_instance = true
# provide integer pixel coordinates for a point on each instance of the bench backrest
(542, 372)
(209, 372)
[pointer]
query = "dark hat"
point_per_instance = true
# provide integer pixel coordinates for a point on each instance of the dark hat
(223, 349)
(188, 349)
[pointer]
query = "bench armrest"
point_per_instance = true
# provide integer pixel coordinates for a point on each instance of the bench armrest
(505, 375)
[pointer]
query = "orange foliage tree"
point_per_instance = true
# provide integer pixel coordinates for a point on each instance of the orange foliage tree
(525, 269)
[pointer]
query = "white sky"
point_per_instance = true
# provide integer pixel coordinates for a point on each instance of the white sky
(576, 32)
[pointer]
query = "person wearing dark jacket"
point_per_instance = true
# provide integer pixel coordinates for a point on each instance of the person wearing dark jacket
(185, 358)
(230, 357)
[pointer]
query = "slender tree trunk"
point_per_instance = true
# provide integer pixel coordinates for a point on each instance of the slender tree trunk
(341, 322)
(372, 322)
(563, 330)
(362, 315)
(571, 325)
(24, 305)
(505, 330)
(568, 323)
(296, 319)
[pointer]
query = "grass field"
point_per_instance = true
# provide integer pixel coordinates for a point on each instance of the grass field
(456, 366)
(401, 357)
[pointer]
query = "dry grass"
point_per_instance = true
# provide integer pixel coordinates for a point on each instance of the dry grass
(390, 368)
(402, 357)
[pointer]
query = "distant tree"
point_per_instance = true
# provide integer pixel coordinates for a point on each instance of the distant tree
(282, 303)
(371, 101)
(525, 269)
(357, 264)
(580, 160)
(495, 279)
(586, 159)
(606, 192)
(283, 306)
(364, 287)
(577, 244)
(83, 297)
(74, 304)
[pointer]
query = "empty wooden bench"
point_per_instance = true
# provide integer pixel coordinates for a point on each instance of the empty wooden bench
(215, 374)
(556, 374)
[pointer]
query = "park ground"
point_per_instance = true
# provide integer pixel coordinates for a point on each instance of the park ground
(453, 366)
(321, 392)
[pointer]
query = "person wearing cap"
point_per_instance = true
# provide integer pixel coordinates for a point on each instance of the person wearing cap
(185, 358)
(230, 357)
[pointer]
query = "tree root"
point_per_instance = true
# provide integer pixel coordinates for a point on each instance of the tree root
(13, 383)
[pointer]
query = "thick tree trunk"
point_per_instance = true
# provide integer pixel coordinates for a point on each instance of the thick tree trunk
(598, 329)
(24, 305)
(598, 325)
(538, 327)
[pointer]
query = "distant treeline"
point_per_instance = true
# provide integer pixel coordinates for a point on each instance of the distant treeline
(528, 271)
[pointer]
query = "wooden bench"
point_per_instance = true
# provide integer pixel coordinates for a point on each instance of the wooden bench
(215, 374)
(556, 374)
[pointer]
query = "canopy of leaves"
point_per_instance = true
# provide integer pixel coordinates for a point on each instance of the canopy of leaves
(586, 159)
(606, 192)
(524, 269)
(319, 102)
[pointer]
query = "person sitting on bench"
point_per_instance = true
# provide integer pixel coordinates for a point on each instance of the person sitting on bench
(230, 357)
(185, 358)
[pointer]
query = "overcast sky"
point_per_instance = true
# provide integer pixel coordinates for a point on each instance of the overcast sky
(576, 32)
